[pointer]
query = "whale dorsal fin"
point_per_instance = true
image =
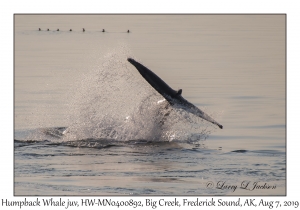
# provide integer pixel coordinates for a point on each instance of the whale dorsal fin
(179, 92)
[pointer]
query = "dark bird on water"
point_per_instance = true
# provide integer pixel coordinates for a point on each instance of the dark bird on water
(128, 31)
(83, 29)
(39, 29)
(47, 29)
(70, 29)
(103, 30)
(58, 29)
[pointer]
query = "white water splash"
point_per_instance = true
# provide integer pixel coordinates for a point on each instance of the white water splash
(113, 101)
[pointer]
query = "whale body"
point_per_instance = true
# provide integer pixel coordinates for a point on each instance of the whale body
(172, 96)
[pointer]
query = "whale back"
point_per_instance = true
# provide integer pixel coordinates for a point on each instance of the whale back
(155, 81)
(168, 93)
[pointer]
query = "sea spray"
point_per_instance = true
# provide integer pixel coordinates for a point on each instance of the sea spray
(113, 101)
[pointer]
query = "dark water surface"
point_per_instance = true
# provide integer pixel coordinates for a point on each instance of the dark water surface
(80, 83)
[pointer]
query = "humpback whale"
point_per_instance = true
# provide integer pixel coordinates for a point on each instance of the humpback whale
(172, 96)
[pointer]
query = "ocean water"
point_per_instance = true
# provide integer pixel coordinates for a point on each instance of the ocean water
(87, 123)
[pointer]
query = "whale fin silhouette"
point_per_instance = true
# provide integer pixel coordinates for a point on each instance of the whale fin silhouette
(172, 96)
(179, 92)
